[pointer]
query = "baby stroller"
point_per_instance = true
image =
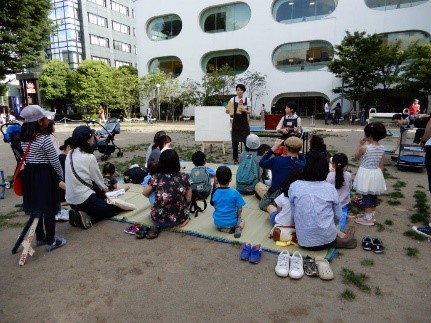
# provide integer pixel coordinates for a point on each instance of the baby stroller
(105, 139)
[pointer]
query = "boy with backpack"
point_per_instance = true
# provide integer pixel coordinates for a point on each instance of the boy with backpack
(249, 172)
(200, 176)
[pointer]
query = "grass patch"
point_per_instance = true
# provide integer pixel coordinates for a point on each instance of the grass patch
(421, 215)
(358, 280)
(378, 291)
(394, 202)
(414, 235)
(380, 227)
(367, 262)
(348, 295)
(389, 222)
(387, 174)
(7, 220)
(399, 184)
(394, 195)
(411, 252)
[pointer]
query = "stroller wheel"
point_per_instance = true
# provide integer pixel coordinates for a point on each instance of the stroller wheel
(121, 155)
(118, 154)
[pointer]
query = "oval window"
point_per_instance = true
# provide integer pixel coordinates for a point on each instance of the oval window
(236, 59)
(224, 18)
(164, 27)
(169, 65)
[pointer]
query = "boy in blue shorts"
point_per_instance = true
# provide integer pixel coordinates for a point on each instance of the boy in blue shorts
(227, 202)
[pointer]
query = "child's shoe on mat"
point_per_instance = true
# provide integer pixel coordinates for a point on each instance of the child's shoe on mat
(255, 254)
(325, 271)
(296, 270)
(58, 242)
(283, 261)
(245, 251)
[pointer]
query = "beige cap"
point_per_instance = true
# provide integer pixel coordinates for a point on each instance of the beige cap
(293, 142)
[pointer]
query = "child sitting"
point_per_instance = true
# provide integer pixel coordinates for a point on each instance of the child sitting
(109, 179)
(152, 169)
(227, 202)
(200, 159)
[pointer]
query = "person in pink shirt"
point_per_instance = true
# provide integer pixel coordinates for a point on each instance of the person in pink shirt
(415, 108)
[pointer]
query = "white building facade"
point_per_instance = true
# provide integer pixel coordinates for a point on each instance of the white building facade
(291, 41)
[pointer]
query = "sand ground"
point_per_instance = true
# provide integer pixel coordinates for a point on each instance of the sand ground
(104, 275)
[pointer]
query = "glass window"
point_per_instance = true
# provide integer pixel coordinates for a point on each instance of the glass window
(99, 41)
(121, 63)
(308, 55)
(168, 64)
(407, 38)
(103, 59)
(164, 27)
(225, 18)
(392, 4)
(99, 2)
(290, 11)
(237, 59)
(115, 6)
(120, 27)
(124, 47)
(97, 20)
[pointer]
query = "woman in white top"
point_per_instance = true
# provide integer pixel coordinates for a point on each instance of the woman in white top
(82, 175)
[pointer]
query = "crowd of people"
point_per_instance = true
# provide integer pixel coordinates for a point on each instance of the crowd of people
(304, 190)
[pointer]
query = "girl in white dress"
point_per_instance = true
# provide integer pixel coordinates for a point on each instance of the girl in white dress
(369, 180)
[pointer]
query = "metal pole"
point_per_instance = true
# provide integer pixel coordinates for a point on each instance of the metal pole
(342, 93)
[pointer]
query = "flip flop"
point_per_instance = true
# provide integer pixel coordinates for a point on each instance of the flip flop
(325, 271)
(310, 267)
(367, 243)
(376, 245)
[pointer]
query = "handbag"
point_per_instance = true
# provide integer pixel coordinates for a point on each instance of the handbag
(18, 175)
(93, 186)
(283, 233)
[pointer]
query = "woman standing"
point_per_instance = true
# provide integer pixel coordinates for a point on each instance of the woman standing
(240, 127)
(42, 176)
(82, 175)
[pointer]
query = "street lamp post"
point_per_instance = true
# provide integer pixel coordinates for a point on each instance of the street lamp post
(158, 99)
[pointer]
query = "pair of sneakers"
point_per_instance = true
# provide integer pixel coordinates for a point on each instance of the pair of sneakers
(251, 253)
(288, 265)
(80, 219)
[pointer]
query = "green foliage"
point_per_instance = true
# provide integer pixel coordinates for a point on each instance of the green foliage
(394, 202)
(255, 84)
(367, 262)
(414, 235)
(24, 34)
(389, 222)
(421, 215)
(399, 184)
(8, 220)
(217, 85)
(92, 86)
(358, 280)
(395, 195)
(417, 73)
(411, 252)
(380, 227)
(348, 295)
(55, 82)
(125, 94)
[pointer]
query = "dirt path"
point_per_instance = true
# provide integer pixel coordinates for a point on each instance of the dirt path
(104, 275)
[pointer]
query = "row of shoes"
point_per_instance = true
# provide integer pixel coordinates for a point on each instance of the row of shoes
(294, 266)
(251, 253)
(372, 244)
(141, 231)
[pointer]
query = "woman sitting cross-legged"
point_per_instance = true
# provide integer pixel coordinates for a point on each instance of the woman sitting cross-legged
(82, 175)
(173, 192)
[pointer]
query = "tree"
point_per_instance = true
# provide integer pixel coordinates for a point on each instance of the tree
(356, 64)
(126, 90)
(55, 83)
(255, 84)
(24, 34)
(216, 85)
(417, 72)
(92, 86)
(149, 92)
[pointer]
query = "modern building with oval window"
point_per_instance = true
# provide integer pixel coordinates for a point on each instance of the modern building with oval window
(290, 41)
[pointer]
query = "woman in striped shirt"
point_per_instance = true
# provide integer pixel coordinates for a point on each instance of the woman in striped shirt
(42, 176)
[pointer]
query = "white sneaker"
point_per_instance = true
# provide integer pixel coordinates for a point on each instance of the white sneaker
(296, 266)
(282, 268)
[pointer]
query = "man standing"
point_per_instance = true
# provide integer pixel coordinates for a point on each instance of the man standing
(327, 109)
(149, 115)
(262, 112)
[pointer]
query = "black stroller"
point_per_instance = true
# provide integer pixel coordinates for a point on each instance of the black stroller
(105, 138)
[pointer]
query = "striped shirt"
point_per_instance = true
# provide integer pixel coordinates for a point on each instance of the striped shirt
(42, 151)
(373, 155)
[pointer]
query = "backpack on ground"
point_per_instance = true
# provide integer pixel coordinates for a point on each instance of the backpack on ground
(134, 174)
(247, 174)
